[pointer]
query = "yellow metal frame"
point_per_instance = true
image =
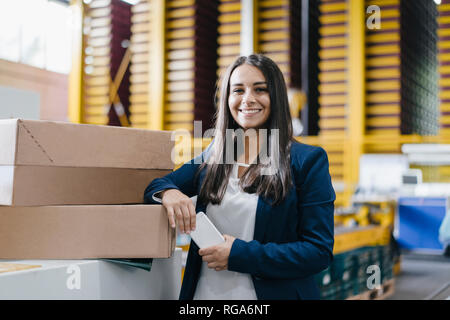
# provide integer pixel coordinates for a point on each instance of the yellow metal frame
(75, 110)
(401, 139)
(368, 236)
(354, 142)
(157, 60)
(115, 84)
(356, 94)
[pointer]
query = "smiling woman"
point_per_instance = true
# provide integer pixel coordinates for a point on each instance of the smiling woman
(278, 227)
(249, 100)
(253, 95)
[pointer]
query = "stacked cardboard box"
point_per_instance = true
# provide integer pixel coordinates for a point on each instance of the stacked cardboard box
(71, 191)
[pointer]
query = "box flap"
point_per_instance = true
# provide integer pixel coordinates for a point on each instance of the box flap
(8, 138)
(83, 145)
(6, 184)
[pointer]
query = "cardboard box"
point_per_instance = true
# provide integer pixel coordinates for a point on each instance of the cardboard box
(34, 185)
(58, 163)
(85, 232)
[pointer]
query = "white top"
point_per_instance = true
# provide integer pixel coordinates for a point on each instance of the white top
(235, 216)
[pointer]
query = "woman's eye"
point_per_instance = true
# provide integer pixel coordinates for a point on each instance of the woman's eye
(238, 90)
(261, 89)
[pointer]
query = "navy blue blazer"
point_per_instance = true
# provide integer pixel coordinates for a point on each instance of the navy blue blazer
(293, 240)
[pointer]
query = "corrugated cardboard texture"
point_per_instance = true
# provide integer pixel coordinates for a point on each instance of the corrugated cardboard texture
(85, 232)
(49, 143)
(36, 185)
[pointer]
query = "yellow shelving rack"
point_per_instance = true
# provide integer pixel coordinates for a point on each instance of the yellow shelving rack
(357, 66)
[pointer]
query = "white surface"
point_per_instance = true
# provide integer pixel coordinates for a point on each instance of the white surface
(17, 103)
(6, 185)
(235, 216)
(427, 153)
(381, 173)
(429, 159)
(205, 233)
(432, 190)
(59, 279)
(426, 148)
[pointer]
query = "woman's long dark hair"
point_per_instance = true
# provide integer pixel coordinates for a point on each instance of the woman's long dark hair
(274, 186)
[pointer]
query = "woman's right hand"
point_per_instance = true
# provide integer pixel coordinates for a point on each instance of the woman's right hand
(179, 207)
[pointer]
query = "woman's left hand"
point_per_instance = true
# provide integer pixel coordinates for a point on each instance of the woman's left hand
(217, 256)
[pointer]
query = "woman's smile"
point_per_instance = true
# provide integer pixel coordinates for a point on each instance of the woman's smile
(249, 99)
(250, 112)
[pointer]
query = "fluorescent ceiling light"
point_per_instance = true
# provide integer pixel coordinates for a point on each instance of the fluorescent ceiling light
(132, 2)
